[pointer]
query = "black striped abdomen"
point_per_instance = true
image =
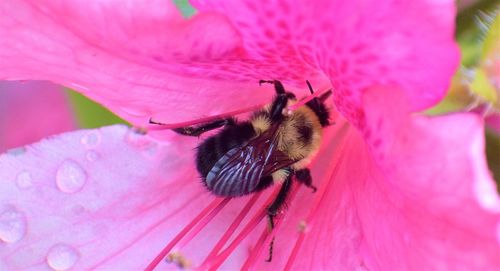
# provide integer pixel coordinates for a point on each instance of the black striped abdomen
(214, 147)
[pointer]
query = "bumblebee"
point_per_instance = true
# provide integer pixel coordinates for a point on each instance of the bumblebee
(273, 146)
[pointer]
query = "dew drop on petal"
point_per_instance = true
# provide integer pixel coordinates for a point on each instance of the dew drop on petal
(70, 177)
(151, 150)
(91, 156)
(24, 180)
(12, 224)
(16, 151)
(91, 139)
(62, 257)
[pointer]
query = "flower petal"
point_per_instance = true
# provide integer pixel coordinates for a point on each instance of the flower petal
(107, 198)
(357, 44)
(30, 111)
(493, 122)
(152, 54)
(127, 57)
(416, 196)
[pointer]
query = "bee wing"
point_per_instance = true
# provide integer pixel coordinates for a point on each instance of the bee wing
(239, 171)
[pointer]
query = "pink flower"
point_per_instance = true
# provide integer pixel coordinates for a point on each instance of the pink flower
(397, 190)
(30, 111)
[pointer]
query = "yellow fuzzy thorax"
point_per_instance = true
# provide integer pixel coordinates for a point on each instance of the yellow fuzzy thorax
(295, 149)
(288, 135)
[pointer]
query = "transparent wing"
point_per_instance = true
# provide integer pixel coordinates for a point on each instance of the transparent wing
(239, 171)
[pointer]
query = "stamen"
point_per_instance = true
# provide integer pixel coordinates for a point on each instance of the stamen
(302, 102)
(179, 259)
(217, 261)
(314, 208)
(229, 232)
(201, 224)
(155, 125)
(267, 236)
(302, 227)
(215, 204)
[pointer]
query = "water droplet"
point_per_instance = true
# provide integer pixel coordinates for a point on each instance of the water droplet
(12, 225)
(24, 180)
(71, 177)
(17, 151)
(151, 150)
(91, 139)
(62, 257)
(92, 156)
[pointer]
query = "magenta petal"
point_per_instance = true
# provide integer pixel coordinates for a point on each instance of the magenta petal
(357, 44)
(417, 196)
(106, 199)
(126, 57)
(141, 60)
(493, 122)
(30, 111)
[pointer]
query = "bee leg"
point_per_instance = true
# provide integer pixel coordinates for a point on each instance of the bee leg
(276, 206)
(277, 107)
(304, 176)
(278, 86)
(205, 127)
(280, 101)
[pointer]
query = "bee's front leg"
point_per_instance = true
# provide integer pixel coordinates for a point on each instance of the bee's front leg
(197, 130)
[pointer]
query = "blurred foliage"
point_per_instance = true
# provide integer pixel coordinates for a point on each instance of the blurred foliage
(468, 32)
(477, 35)
(473, 87)
(493, 155)
(90, 114)
(186, 9)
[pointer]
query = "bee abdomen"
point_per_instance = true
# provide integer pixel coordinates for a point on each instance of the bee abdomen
(214, 147)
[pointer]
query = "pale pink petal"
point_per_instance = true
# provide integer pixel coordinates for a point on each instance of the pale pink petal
(417, 196)
(357, 44)
(30, 111)
(110, 198)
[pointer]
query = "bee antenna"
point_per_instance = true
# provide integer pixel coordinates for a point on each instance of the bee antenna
(310, 87)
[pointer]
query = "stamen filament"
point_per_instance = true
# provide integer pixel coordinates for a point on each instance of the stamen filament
(229, 232)
(202, 224)
(335, 164)
(217, 261)
(213, 205)
(155, 125)
(267, 236)
(302, 102)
